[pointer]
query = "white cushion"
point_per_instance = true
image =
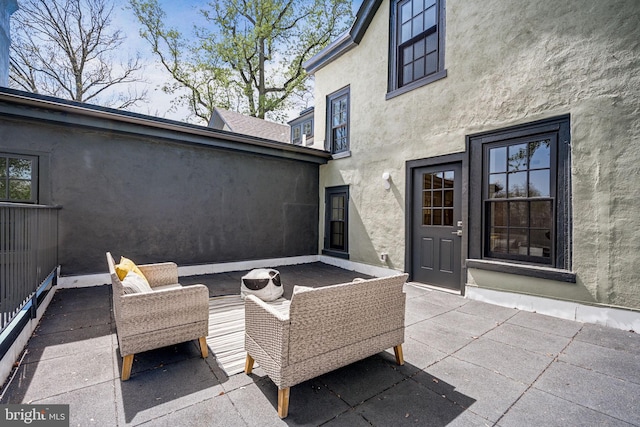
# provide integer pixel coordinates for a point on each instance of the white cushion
(133, 284)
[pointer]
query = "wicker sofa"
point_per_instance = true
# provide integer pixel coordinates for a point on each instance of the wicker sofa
(325, 328)
(167, 314)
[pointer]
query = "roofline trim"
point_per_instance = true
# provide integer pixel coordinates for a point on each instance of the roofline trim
(346, 41)
(214, 138)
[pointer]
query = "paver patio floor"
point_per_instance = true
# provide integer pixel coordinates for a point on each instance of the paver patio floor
(467, 363)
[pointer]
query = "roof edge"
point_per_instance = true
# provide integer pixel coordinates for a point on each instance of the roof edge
(346, 41)
(150, 125)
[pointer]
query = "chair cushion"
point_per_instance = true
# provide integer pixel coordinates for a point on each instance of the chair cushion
(126, 266)
(134, 284)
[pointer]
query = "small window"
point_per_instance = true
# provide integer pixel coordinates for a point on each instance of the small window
(336, 221)
(295, 134)
(300, 128)
(417, 43)
(307, 128)
(338, 122)
(18, 178)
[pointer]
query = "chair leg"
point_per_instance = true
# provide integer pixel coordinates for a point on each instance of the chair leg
(248, 364)
(204, 349)
(127, 362)
(283, 402)
(398, 351)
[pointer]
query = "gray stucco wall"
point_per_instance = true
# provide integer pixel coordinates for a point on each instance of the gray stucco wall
(508, 63)
(157, 199)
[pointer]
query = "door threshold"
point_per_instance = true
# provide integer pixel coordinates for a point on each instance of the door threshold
(435, 288)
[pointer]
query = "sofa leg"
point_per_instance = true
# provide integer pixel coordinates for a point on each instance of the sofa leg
(127, 362)
(398, 351)
(204, 349)
(283, 402)
(248, 364)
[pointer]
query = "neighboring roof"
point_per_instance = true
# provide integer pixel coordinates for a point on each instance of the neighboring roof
(247, 125)
(347, 40)
(304, 114)
(19, 104)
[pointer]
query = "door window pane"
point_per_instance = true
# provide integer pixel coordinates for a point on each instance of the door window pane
(426, 199)
(448, 198)
(437, 217)
(448, 217)
(438, 193)
(437, 199)
(426, 217)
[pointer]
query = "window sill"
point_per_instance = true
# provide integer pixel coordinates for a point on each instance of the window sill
(336, 254)
(540, 272)
(341, 155)
(415, 85)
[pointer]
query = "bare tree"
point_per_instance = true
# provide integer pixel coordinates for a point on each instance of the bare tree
(66, 48)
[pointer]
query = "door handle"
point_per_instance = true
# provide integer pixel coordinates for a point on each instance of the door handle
(457, 233)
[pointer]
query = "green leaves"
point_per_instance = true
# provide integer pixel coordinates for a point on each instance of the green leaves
(250, 54)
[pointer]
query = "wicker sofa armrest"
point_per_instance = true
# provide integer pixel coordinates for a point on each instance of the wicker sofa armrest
(268, 328)
(151, 311)
(160, 274)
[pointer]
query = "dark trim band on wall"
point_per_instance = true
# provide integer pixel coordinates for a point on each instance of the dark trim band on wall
(523, 270)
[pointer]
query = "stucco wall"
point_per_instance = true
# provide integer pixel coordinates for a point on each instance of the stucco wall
(507, 63)
(156, 199)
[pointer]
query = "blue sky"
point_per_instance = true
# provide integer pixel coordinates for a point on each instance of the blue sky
(182, 15)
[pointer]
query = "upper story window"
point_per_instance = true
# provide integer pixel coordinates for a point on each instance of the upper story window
(18, 178)
(417, 44)
(338, 122)
(302, 130)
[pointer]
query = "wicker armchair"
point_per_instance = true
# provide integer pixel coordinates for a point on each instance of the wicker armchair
(167, 315)
(325, 329)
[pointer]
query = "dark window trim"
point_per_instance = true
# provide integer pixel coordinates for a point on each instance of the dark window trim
(299, 124)
(393, 89)
(345, 91)
(35, 176)
(539, 272)
(563, 241)
(328, 192)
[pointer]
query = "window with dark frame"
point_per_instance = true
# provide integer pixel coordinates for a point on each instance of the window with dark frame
(18, 178)
(520, 194)
(336, 221)
(417, 43)
(520, 199)
(338, 121)
(302, 128)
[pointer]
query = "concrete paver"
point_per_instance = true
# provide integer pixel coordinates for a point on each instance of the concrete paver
(467, 363)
